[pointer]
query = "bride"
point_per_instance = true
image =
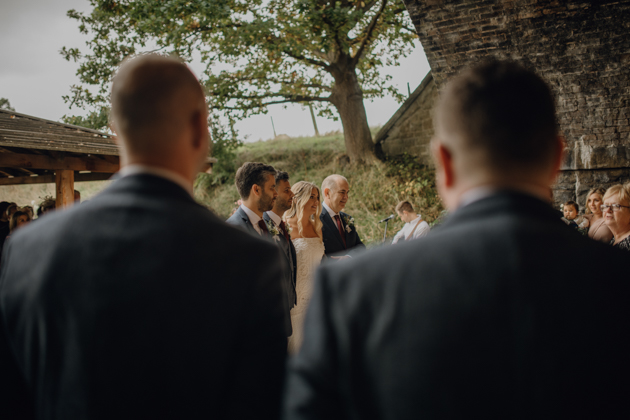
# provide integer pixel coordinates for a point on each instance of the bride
(306, 234)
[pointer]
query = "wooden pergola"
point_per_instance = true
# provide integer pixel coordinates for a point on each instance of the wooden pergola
(38, 151)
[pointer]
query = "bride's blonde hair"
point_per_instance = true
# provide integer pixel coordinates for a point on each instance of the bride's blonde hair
(302, 193)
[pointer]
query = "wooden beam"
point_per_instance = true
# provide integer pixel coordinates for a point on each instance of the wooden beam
(64, 181)
(51, 179)
(87, 163)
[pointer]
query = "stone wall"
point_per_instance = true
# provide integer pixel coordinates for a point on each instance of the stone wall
(411, 128)
(581, 48)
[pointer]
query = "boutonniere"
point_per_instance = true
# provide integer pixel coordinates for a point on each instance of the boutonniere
(273, 231)
(349, 221)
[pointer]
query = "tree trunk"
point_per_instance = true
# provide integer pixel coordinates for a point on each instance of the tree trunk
(347, 97)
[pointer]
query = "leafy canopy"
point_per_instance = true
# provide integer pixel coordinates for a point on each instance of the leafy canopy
(256, 52)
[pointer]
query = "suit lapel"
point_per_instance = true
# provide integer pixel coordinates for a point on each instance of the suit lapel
(332, 226)
(246, 220)
(285, 247)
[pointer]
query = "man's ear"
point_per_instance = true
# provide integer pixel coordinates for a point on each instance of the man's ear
(256, 190)
(326, 192)
(444, 160)
(557, 159)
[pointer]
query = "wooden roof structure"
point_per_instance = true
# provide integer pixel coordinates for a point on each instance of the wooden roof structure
(35, 151)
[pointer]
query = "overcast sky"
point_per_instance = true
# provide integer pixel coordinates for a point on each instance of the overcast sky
(34, 76)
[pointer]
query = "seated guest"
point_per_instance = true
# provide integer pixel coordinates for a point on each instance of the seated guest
(414, 227)
(141, 304)
(46, 205)
(597, 228)
(571, 211)
(616, 210)
(484, 318)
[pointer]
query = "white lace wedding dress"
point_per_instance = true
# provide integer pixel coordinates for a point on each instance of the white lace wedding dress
(309, 255)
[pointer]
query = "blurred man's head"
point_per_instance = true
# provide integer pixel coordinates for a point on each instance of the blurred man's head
(496, 126)
(160, 115)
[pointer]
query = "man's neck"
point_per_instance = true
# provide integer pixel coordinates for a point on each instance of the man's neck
(252, 205)
(474, 193)
(330, 208)
(278, 212)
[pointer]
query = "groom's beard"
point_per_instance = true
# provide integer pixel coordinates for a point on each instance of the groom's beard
(266, 203)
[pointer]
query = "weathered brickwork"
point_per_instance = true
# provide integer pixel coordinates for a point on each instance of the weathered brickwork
(581, 48)
(411, 128)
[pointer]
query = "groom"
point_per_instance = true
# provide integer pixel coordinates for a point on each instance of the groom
(339, 232)
(274, 217)
(256, 185)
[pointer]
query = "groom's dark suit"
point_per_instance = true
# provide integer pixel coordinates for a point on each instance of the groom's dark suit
(502, 312)
(137, 305)
(333, 243)
(241, 220)
(289, 251)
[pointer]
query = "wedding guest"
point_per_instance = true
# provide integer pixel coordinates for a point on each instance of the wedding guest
(45, 206)
(273, 217)
(484, 318)
(306, 233)
(77, 196)
(4, 223)
(339, 232)
(256, 184)
(134, 305)
(572, 217)
(29, 210)
(18, 219)
(414, 227)
(597, 228)
(616, 210)
(11, 208)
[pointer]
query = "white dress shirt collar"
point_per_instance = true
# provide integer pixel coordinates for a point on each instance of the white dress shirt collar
(330, 211)
(253, 218)
(273, 216)
(174, 177)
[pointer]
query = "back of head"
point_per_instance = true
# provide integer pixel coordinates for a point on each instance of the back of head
(252, 173)
(501, 117)
(152, 98)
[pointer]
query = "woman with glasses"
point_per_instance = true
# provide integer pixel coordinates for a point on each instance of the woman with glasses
(597, 228)
(616, 211)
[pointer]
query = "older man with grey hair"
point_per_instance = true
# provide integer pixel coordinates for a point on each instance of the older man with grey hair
(339, 230)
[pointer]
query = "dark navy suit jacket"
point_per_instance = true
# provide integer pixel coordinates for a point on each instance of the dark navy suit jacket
(333, 243)
(289, 251)
(501, 312)
(241, 220)
(138, 304)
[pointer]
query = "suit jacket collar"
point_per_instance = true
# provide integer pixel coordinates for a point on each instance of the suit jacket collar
(502, 202)
(149, 184)
(241, 213)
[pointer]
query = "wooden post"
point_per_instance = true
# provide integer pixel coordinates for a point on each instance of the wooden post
(64, 180)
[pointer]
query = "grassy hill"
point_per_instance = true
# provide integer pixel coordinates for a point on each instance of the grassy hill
(375, 189)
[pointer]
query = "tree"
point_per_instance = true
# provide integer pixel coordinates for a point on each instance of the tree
(5, 104)
(96, 120)
(325, 52)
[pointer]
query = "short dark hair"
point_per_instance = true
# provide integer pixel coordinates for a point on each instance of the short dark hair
(250, 174)
(281, 176)
(574, 204)
(3, 206)
(404, 206)
(502, 112)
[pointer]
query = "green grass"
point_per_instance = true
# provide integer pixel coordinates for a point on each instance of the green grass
(375, 189)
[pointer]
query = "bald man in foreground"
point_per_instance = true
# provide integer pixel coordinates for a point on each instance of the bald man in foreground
(484, 317)
(127, 307)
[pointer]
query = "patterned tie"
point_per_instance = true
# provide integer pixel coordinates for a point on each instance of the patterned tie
(263, 227)
(284, 231)
(341, 232)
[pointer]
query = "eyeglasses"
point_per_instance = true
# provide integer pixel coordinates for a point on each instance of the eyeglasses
(614, 207)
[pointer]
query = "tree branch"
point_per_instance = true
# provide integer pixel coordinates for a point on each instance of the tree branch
(285, 101)
(368, 33)
(282, 82)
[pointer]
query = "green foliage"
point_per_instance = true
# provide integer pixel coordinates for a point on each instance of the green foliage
(269, 52)
(5, 104)
(95, 120)
(375, 188)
